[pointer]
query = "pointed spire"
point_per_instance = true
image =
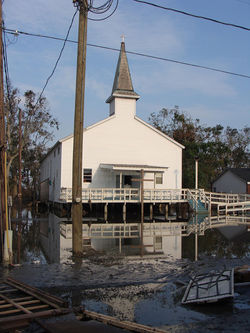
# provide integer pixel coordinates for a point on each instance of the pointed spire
(122, 86)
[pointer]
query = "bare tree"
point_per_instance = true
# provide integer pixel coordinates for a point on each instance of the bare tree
(37, 130)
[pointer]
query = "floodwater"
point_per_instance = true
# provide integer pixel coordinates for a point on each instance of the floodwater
(146, 290)
(42, 241)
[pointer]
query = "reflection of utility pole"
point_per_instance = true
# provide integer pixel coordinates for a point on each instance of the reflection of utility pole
(142, 180)
(78, 129)
(142, 210)
(196, 239)
(2, 143)
(196, 218)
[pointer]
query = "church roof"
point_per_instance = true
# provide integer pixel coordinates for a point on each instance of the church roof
(122, 86)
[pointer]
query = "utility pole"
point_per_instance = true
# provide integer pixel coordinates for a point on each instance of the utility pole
(2, 142)
(78, 130)
(19, 189)
(20, 166)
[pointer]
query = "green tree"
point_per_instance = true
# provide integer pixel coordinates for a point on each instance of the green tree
(238, 142)
(37, 130)
(215, 147)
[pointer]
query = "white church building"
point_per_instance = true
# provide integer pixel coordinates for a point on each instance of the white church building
(115, 149)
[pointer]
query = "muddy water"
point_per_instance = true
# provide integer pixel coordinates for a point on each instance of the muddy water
(41, 241)
(145, 290)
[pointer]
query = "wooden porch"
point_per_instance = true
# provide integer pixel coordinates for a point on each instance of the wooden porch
(133, 195)
(129, 195)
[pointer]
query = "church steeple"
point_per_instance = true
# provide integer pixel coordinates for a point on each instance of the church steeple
(122, 86)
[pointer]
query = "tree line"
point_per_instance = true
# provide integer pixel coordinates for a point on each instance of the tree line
(216, 148)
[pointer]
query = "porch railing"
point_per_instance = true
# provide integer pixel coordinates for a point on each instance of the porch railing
(123, 230)
(125, 195)
(216, 198)
(108, 195)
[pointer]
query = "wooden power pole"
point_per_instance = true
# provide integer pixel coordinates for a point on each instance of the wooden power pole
(78, 130)
(2, 142)
(20, 168)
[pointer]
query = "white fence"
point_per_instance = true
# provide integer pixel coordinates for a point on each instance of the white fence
(216, 198)
(125, 230)
(216, 222)
(125, 195)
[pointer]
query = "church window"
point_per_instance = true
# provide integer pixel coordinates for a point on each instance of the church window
(159, 178)
(87, 175)
(158, 243)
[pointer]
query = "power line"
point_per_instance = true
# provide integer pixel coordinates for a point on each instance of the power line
(58, 59)
(101, 9)
(93, 10)
(16, 32)
(6, 66)
(193, 15)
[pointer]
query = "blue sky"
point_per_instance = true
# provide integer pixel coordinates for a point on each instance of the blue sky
(214, 98)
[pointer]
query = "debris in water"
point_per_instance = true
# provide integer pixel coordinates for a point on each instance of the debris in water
(210, 287)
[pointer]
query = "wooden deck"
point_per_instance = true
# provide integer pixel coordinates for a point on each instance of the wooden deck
(126, 195)
(20, 304)
(232, 209)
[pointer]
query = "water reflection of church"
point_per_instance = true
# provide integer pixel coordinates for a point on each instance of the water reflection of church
(56, 238)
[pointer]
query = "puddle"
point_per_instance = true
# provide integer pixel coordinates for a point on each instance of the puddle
(242, 298)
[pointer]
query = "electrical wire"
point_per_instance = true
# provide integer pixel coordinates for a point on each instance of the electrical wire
(58, 59)
(105, 18)
(101, 9)
(5, 63)
(192, 15)
(12, 31)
